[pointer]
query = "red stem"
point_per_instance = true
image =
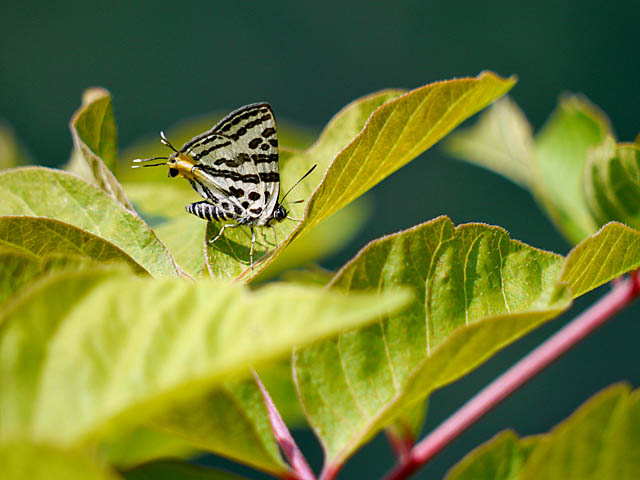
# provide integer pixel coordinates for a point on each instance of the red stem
(619, 297)
(300, 467)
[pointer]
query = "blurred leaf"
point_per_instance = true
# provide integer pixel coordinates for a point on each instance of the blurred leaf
(600, 440)
(501, 140)
(561, 152)
(175, 470)
(42, 192)
(612, 182)
(311, 275)
(94, 134)
(366, 142)
(184, 237)
(12, 154)
(475, 291)
(501, 458)
(46, 237)
(17, 268)
(128, 448)
(407, 425)
(163, 199)
(552, 168)
(231, 421)
(323, 240)
(608, 254)
(84, 352)
(22, 461)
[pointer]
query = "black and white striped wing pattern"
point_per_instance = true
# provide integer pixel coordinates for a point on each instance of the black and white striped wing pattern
(238, 163)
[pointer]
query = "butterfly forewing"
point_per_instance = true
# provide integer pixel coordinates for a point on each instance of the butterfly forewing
(237, 163)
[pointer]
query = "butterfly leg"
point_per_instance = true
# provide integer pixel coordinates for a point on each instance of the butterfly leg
(226, 225)
(253, 241)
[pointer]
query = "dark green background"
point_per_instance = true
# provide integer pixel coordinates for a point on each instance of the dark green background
(165, 61)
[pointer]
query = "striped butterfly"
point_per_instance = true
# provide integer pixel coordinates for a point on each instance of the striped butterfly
(234, 167)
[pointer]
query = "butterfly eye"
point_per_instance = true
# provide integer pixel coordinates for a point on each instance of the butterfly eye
(173, 172)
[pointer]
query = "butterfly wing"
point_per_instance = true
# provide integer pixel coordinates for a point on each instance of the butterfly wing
(240, 155)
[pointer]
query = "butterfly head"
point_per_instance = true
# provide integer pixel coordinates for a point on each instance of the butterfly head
(279, 213)
(180, 165)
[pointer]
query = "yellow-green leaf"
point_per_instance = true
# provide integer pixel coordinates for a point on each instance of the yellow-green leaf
(613, 251)
(46, 237)
(366, 142)
(84, 353)
(600, 440)
(95, 140)
(231, 421)
(54, 194)
(475, 291)
(22, 461)
(612, 182)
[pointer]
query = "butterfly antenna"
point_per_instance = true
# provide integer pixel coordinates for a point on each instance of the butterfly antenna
(166, 143)
(151, 165)
(295, 184)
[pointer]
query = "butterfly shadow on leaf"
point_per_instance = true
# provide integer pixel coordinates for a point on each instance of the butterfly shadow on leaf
(233, 247)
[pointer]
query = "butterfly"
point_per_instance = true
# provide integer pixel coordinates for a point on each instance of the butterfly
(234, 167)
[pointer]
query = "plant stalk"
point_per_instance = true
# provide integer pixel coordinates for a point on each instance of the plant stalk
(299, 466)
(621, 295)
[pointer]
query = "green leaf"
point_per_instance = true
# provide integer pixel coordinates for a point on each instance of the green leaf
(475, 291)
(42, 192)
(95, 140)
(85, 352)
(501, 458)
(184, 237)
(231, 421)
(175, 470)
(501, 140)
(612, 182)
(600, 440)
(366, 142)
(21, 460)
(45, 237)
(608, 254)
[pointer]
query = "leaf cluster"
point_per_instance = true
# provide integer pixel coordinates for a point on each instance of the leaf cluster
(125, 336)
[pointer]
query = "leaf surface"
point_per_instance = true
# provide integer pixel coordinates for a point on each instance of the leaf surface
(53, 194)
(231, 421)
(22, 460)
(475, 291)
(93, 129)
(363, 144)
(114, 349)
(611, 252)
(46, 237)
(600, 440)
(612, 182)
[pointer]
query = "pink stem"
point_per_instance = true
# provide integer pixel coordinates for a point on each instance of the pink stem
(300, 467)
(401, 443)
(619, 297)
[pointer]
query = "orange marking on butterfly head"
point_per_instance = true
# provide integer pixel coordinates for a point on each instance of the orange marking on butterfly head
(181, 165)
